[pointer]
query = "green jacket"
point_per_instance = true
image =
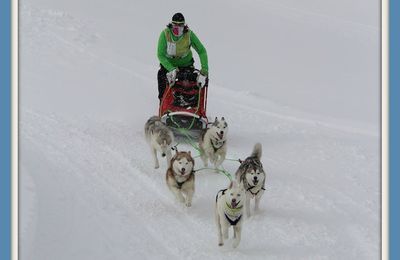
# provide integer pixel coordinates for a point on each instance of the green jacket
(170, 63)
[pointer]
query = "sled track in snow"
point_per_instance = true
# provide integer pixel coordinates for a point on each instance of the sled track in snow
(129, 179)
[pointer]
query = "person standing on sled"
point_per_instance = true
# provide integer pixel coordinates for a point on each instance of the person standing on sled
(174, 52)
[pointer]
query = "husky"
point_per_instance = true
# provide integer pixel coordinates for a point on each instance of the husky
(212, 143)
(229, 212)
(160, 138)
(252, 176)
(180, 177)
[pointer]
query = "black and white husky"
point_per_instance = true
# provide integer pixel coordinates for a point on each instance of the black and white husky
(160, 138)
(213, 144)
(252, 176)
(229, 212)
(180, 177)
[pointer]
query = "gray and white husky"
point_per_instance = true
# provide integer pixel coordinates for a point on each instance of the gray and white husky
(252, 176)
(213, 144)
(229, 212)
(160, 138)
(180, 177)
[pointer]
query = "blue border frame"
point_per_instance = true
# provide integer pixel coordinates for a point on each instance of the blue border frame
(5, 129)
(394, 129)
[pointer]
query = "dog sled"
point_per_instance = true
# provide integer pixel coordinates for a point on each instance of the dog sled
(184, 104)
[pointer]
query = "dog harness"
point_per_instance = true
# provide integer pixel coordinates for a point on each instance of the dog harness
(223, 192)
(233, 222)
(179, 184)
(255, 194)
(218, 144)
(232, 213)
(249, 188)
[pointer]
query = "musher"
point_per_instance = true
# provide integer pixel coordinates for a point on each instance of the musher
(174, 52)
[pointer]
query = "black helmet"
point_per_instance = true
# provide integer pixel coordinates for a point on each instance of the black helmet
(178, 18)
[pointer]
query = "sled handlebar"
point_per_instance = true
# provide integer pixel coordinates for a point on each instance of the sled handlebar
(189, 74)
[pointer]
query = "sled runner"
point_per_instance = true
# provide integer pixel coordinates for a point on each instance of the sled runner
(183, 105)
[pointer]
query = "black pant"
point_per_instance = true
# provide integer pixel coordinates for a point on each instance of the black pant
(162, 79)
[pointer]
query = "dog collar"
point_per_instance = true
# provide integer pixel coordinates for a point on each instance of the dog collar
(238, 208)
(232, 211)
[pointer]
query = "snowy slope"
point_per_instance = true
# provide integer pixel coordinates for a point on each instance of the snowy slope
(87, 75)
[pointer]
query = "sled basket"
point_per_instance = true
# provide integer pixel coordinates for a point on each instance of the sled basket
(183, 105)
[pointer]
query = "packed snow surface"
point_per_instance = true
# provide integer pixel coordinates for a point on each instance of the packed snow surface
(300, 77)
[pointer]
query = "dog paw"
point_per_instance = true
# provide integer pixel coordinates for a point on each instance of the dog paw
(235, 244)
(220, 244)
(188, 204)
(156, 166)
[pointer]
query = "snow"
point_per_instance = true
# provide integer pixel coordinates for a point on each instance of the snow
(302, 78)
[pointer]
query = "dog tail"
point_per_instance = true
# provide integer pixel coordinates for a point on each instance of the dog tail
(257, 151)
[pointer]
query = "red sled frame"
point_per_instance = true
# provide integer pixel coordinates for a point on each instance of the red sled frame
(179, 114)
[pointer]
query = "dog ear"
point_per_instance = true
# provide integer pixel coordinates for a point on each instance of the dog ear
(223, 119)
(215, 123)
(234, 184)
(171, 162)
